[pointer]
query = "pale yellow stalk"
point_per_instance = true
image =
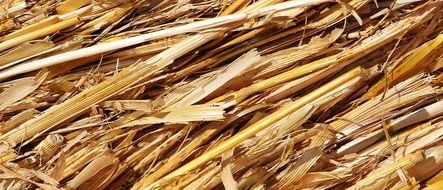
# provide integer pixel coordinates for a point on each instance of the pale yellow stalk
(415, 63)
(378, 178)
(47, 22)
(75, 105)
(99, 163)
(71, 5)
(38, 33)
(258, 126)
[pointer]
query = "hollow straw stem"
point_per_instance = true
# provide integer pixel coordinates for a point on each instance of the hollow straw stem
(47, 22)
(243, 93)
(92, 169)
(122, 80)
(192, 27)
(415, 63)
(260, 125)
(334, 63)
(378, 178)
(71, 5)
(110, 46)
(38, 33)
(203, 135)
(234, 7)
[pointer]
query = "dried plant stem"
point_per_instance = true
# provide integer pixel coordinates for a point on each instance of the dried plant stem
(203, 135)
(102, 48)
(258, 126)
(71, 5)
(331, 64)
(94, 167)
(415, 63)
(381, 176)
(57, 114)
(38, 33)
(31, 28)
(206, 94)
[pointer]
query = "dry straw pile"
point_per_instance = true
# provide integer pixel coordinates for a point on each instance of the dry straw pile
(221, 94)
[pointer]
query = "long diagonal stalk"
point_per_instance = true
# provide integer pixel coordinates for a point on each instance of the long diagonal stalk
(122, 80)
(192, 27)
(260, 125)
